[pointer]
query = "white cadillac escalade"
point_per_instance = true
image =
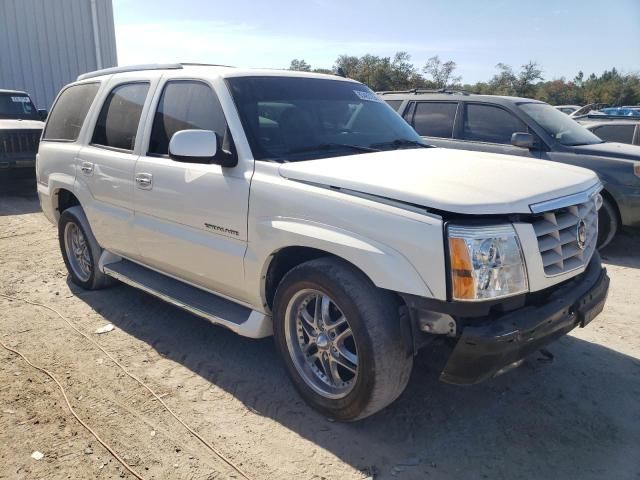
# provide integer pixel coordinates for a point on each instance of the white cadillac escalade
(301, 205)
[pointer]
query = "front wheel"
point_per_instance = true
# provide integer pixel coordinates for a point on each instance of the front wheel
(341, 339)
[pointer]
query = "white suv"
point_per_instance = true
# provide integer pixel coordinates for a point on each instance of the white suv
(301, 205)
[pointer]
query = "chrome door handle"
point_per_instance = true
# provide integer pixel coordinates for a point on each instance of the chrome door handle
(144, 181)
(87, 168)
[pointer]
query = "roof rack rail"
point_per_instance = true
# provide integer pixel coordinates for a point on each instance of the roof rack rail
(604, 116)
(415, 91)
(195, 64)
(130, 68)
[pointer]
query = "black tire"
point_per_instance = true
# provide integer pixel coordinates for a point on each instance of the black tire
(96, 279)
(608, 223)
(384, 359)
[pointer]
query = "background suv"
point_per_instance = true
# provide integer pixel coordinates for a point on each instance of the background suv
(20, 128)
(529, 128)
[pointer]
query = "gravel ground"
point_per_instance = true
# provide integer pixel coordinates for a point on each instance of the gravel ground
(575, 416)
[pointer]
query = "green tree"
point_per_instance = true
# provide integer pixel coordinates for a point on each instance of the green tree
(299, 65)
(441, 72)
(524, 85)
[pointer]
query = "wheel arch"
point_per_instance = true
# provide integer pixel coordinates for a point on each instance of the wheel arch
(64, 199)
(286, 243)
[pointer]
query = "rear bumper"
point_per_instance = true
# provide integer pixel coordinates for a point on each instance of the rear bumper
(485, 349)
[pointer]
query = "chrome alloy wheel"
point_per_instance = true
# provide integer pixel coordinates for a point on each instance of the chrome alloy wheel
(77, 250)
(321, 343)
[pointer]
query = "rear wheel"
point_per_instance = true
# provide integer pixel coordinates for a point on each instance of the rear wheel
(607, 223)
(80, 250)
(340, 338)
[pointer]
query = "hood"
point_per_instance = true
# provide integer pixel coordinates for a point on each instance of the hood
(15, 124)
(457, 181)
(610, 149)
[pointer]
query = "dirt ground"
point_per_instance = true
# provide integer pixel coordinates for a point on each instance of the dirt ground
(576, 416)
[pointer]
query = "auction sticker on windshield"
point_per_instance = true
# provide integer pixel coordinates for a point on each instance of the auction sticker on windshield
(20, 99)
(369, 96)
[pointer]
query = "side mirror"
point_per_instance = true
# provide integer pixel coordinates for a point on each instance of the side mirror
(43, 113)
(195, 146)
(523, 140)
(199, 146)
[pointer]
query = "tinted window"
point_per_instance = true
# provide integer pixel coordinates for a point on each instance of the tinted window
(560, 127)
(118, 121)
(485, 123)
(17, 105)
(69, 112)
(395, 104)
(435, 119)
(615, 133)
(295, 118)
(185, 105)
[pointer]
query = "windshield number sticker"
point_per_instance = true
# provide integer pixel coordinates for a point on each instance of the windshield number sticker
(20, 99)
(368, 96)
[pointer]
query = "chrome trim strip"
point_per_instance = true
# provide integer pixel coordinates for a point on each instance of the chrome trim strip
(471, 232)
(567, 201)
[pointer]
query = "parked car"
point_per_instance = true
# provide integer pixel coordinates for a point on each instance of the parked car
(301, 205)
(613, 130)
(568, 109)
(528, 128)
(20, 128)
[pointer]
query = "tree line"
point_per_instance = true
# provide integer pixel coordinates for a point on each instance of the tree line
(399, 73)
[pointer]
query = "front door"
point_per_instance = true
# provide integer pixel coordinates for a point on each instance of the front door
(190, 219)
(488, 128)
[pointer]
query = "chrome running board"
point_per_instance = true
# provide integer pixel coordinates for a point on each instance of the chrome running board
(220, 311)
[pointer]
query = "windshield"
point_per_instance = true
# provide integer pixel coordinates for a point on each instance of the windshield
(17, 105)
(291, 118)
(562, 128)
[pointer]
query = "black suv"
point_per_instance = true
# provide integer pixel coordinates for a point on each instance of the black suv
(529, 128)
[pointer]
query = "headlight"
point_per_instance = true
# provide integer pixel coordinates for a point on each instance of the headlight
(486, 262)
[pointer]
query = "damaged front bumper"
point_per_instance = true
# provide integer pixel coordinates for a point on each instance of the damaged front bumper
(487, 348)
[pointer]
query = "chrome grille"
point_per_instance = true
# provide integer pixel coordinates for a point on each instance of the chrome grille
(19, 143)
(557, 233)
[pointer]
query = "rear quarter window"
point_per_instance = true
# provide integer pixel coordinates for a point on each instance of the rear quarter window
(395, 104)
(69, 112)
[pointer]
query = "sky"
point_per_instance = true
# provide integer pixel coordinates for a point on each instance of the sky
(563, 36)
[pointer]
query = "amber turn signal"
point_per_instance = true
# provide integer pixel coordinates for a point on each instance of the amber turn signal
(461, 268)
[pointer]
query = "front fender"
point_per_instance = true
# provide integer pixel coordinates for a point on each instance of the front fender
(386, 267)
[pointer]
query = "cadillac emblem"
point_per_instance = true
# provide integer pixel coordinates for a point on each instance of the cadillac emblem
(581, 234)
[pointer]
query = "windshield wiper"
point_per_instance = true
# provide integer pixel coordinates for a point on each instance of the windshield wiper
(402, 142)
(333, 146)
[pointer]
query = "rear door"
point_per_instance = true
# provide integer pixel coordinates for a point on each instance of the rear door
(191, 218)
(107, 163)
(435, 121)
